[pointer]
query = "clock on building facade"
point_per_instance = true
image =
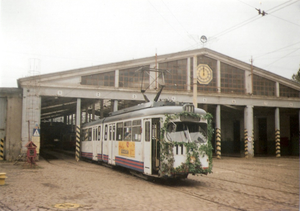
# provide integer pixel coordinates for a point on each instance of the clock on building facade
(204, 74)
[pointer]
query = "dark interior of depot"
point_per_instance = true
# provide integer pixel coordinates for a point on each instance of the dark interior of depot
(58, 126)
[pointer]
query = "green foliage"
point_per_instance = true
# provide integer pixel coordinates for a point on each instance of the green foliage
(193, 150)
(296, 77)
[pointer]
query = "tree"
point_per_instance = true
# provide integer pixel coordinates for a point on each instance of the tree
(296, 77)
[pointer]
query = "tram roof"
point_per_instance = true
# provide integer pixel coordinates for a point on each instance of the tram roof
(144, 109)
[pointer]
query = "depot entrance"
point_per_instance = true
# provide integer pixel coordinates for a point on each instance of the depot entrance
(58, 120)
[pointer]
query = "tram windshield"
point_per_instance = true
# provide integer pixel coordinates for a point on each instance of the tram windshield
(187, 132)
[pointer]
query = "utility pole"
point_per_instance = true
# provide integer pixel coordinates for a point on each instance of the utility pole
(195, 94)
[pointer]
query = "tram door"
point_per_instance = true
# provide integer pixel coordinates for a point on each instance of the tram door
(111, 143)
(95, 143)
(147, 146)
(155, 145)
(105, 143)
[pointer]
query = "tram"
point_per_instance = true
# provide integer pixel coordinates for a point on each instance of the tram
(153, 139)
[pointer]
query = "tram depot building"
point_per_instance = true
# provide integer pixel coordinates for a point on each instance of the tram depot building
(255, 112)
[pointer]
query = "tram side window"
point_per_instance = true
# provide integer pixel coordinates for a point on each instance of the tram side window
(105, 132)
(95, 134)
(147, 131)
(84, 136)
(136, 130)
(99, 133)
(120, 131)
(127, 131)
(89, 134)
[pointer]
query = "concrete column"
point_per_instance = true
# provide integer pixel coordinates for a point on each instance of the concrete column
(218, 131)
(93, 112)
(277, 89)
(101, 109)
(277, 132)
(31, 115)
(115, 105)
(299, 126)
(116, 78)
(78, 125)
(248, 131)
(86, 114)
(195, 94)
(188, 74)
(218, 76)
(72, 120)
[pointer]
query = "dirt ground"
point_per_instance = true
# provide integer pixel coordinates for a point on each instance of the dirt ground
(236, 184)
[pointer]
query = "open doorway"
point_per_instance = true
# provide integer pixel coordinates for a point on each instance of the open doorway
(262, 136)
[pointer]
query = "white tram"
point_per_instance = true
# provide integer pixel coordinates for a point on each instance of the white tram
(157, 139)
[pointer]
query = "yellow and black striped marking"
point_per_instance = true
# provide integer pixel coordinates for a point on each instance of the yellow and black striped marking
(253, 140)
(77, 152)
(246, 142)
(218, 142)
(2, 149)
(277, 141)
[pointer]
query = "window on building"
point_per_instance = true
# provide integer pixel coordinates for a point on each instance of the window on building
(176, 75)
(134, 78)
(263, 86)
(101, 79)
(212, 86)
(232, 80)
(212, 63)
(288, 92)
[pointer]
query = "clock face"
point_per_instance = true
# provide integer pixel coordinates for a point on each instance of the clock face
(204, 74)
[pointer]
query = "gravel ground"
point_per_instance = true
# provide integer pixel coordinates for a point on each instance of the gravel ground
(236, 184)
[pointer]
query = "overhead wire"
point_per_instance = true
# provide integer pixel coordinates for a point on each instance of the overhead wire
(283, 57)
(277, 50)
(178, 21)
(271, 10)
(166, 21)
(285, 20)
(254, 18)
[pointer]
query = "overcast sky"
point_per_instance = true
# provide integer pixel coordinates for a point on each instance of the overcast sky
(67, 34)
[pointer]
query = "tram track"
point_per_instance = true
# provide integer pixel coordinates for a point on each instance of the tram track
(204, 196)
(198, 196)
(208, 189)
(260, 197)
(261, 163)
(255, 186)
(4, 207)
(203, 192)
(181, 184)
(266, 179)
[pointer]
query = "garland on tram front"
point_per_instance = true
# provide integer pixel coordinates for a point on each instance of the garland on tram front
(166, 149)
